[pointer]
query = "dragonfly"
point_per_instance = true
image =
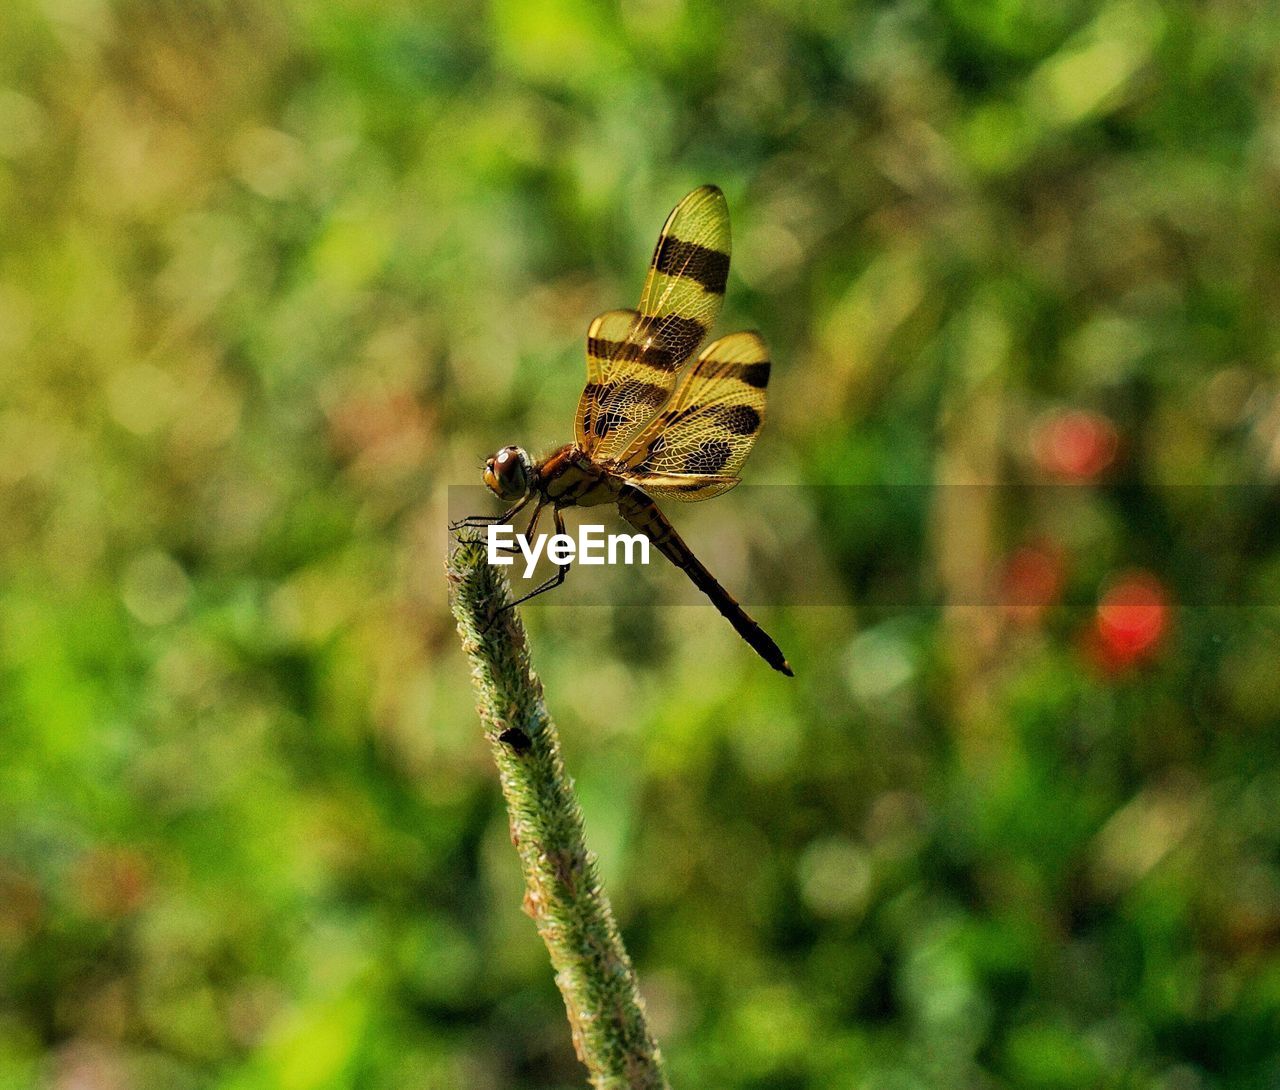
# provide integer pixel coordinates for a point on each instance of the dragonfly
(644, 431)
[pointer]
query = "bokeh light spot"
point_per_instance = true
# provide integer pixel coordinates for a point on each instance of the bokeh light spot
(155, 589)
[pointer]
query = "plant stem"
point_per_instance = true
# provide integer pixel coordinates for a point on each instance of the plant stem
(563, 891)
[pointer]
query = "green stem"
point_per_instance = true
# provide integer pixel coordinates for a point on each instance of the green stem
(563, 891)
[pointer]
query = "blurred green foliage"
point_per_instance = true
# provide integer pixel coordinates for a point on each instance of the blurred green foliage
(272, 277)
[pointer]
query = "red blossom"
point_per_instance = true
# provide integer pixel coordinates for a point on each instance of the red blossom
(1132, 619)
(1030, 580)
(1074, 444)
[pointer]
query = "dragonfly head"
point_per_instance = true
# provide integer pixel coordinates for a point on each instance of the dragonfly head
(509, 473)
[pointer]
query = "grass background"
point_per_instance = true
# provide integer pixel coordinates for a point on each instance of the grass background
(273, 277)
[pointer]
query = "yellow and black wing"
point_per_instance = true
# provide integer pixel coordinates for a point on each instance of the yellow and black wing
(695, 447)
(633, 355)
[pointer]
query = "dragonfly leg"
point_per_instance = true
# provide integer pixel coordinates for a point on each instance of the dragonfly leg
(515, 550)
(533, 522)
(474, 521)
(542, 588)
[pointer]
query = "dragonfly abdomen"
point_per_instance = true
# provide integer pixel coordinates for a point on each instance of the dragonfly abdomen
(645, 515)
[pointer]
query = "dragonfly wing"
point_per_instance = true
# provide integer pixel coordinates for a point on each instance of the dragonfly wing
(605, 336)
(686, 487)
(709, 427)
(631, 369)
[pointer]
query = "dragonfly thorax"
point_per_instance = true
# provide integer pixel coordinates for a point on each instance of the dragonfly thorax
(509, 473)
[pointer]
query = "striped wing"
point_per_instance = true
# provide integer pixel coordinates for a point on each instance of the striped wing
(633, 356)
(603, 334)
(694, 449)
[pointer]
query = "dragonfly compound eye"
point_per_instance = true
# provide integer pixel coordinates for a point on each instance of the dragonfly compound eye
(508, 473)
